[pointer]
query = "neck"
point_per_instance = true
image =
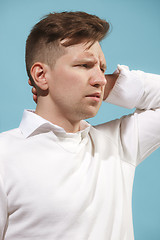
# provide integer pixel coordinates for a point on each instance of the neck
(50, 113)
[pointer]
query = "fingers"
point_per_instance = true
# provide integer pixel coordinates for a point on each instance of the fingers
(35, 98)
(29, 82)
(34, 91)
(111, 80)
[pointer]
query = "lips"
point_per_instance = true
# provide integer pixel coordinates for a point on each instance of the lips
(97, 95)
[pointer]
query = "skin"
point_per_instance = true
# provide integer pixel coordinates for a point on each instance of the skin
(74, 88)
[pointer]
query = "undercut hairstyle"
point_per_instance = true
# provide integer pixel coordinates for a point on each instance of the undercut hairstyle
(44, 41)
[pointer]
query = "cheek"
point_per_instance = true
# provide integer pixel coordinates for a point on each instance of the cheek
(71, 79)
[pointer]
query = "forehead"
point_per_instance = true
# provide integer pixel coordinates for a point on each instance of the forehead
(86, 50)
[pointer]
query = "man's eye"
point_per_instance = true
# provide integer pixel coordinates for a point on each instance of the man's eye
(85, 65)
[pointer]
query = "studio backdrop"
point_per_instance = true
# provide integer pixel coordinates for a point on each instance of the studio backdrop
(133, 41)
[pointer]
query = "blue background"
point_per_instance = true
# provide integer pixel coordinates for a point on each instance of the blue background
(133, 41)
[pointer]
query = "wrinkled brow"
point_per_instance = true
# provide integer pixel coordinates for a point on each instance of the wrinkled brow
(90, 55)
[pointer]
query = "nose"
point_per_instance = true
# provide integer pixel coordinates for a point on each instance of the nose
(98, 79)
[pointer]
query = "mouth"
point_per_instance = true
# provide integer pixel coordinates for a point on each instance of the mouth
(95, 96)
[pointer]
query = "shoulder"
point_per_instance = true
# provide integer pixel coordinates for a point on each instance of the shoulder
(116, 129)
(106, 133)
(8, 138)
(9, 135)
(109, 130)
(9, 146)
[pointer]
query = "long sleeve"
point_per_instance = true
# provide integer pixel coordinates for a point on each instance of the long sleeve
(3, 210)
(139, 132)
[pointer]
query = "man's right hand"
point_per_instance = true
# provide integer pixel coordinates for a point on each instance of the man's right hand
(34, 91)
(111, 80)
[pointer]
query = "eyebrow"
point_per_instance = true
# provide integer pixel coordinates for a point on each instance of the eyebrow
(90, 55)
(86, 54)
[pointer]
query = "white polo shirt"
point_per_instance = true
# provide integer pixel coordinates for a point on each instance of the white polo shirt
(63, 186)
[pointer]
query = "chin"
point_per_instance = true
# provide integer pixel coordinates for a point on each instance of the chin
(85, 112)
(90, 114)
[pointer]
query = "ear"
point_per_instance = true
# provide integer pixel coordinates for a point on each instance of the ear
(39, 75)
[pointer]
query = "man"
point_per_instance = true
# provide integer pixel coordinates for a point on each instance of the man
(62, 178)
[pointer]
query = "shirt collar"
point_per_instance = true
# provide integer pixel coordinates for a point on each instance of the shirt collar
(33, 124)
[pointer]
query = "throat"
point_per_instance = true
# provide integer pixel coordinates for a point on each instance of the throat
(58, 119)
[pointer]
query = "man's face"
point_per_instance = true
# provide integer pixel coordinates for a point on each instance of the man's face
(77, 81)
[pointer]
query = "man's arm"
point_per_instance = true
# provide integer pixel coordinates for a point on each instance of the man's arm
(139, 133)
(3, 210)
